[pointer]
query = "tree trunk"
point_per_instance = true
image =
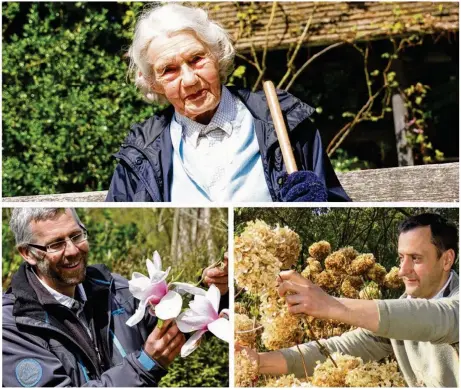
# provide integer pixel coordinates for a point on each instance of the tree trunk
(207, 234)
(174, 237)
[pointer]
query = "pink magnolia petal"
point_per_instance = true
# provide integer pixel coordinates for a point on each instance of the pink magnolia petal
(221, 329)
(155, 292)
(214, 296)
(169, 307)
(157, 261)
(192, 344)
(203, 307)
(151, 269)
(139, 286)
(138, 315)
(160, 276)
(136, 275)
(183, 288)
(187, 322)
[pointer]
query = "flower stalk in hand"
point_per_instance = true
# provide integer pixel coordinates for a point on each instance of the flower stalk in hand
(323, 350)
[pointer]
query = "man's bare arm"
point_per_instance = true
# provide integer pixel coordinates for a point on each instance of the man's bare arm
(304, 297)
(271, 363)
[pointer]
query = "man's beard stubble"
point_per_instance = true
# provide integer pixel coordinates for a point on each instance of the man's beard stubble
(68, 279)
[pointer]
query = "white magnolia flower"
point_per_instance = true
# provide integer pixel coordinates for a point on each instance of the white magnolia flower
(154, 293)
(202, 316)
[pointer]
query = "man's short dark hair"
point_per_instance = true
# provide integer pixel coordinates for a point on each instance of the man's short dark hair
(444, 233)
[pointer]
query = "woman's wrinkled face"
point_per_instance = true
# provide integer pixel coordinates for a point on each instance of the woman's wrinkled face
(187, 74)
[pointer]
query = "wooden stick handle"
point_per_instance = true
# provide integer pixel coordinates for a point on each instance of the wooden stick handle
(279, 124)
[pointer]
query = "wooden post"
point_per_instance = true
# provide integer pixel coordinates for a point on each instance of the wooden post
(404, 151)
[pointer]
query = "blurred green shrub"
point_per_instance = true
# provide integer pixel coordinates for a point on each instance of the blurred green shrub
(342, 162)
(194, 371)
(67, 102)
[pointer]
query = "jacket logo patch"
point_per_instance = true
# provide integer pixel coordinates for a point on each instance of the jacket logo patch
(118, 312)
(28, 372)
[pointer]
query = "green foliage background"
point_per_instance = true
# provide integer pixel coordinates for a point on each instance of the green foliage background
(123, 239)
(67, 102)
(366, 229)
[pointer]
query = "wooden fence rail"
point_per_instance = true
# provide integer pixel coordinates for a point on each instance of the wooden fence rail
(423, 183)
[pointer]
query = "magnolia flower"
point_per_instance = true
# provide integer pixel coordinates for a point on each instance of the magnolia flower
(202, 316)
(154, 292)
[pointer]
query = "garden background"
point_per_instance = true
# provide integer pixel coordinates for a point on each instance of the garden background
(68, 103)
(188, 240)
(368, 230)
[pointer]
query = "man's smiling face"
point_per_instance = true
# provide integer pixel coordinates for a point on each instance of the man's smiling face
(64, 269)
(421, 268)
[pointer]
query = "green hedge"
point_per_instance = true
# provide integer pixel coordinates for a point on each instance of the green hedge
(67, 102)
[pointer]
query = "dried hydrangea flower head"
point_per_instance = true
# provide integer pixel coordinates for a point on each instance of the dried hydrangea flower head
(320, 250)
(374, 374)
(245, 330)
(286, 381)
(377, 273)
(392, 279)
(287, 246)
(315, 265)
(348, 289)
(245, 370)
(328, 280)
(349, 253)
(324, 329)
(313, 268)
(327, 375)
(240, 308)
(255, 266)
(281, 328)
(361, 264)
(370, 291)
(336, 262)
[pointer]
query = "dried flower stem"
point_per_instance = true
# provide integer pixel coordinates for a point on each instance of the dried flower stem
(304, 363)
(211, 266)
(249, 331)
(323, 350)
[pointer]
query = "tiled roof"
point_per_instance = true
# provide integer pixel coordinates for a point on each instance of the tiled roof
(331, 21)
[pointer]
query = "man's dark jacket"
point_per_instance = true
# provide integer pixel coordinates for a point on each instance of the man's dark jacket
(45, 345)
(145, 168)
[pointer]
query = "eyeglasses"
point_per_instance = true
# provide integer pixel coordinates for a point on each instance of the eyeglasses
(59, 246)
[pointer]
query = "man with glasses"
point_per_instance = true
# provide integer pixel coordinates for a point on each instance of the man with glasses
(64, 322)
(421, 328)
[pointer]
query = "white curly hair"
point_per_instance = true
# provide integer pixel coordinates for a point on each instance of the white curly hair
(167, 20)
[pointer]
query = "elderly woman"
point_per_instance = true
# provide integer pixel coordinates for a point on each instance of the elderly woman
(214, 143)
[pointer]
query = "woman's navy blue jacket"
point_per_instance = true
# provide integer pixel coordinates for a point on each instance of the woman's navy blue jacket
(145, 168)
